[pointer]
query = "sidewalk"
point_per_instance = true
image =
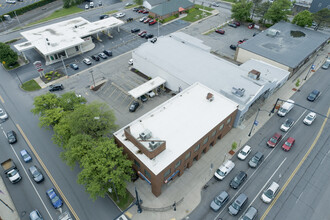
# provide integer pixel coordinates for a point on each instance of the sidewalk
(7, 208)
(190, 184)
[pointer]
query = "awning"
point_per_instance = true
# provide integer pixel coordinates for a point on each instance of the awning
(181, 9)
(145, 178)
(146, 87)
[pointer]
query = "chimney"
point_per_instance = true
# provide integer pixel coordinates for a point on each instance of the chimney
(254, 74)
(210, 97)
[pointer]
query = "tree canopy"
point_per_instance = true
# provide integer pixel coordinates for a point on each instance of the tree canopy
(7, 55)
(278, 11)
(322, 17)
(241, 10)
(303, 18)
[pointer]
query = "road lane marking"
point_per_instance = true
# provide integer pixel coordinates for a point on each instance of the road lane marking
(297, 168)
(48, 173)
(3, 101)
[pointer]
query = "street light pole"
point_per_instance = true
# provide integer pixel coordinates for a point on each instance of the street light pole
(312, 67)
(92, 77)
(255, 120)
(66, 72)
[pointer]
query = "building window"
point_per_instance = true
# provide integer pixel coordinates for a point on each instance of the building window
(228, 121)
(137, 163)
(215, 131)
(147, 174)
(197, 148)
(221, 127)
(167, 172)
(77, 48)
(178, 164)
(205, 140)
(187, 155)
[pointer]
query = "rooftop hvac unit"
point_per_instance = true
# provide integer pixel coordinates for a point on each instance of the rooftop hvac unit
(210, 97)
(153, 145)
(254, 74)
(238, 91)
(145, 135)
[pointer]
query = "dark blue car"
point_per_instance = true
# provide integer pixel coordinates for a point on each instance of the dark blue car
(313, 95)
(55, 199)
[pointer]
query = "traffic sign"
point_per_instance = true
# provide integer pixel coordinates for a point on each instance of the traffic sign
(256, 122)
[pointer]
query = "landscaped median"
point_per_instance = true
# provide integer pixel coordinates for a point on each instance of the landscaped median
(195, 14)
(30, 86)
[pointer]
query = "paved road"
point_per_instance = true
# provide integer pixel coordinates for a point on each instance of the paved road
(301, 197)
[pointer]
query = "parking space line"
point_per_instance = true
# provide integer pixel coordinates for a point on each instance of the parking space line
(2, 100)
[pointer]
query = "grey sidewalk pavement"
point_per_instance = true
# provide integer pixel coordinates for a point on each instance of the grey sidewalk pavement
(7, 208)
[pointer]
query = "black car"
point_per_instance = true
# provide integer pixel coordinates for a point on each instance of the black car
(11, 136)
(134, 106)
(149, 36)
(102, 55)
(108, 52)
(103, 16)
(136, 9)
(153, 40)
(313, 95)
(129, 19)
(233, 47)
(238, 180)
(134, 30)
(232, 25)
(256, 159)
(36, 174)
(56, 87)
(95, 57)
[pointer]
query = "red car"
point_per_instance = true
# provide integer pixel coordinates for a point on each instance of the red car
(273, 141)
(142, 32)
(145, 12)
(220, 31)
(140, 11)
(288, 144)
(147, 20)
(241, 41)
(152, 22)
(237, 23)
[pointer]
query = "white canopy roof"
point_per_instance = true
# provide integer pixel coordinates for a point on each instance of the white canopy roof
(146, 87)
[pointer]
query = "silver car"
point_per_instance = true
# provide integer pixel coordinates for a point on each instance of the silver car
(3, 114)
(250, 214)
(219, 201)
(36, 174)
(287, 125)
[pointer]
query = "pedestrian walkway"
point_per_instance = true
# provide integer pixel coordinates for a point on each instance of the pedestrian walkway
(7, 208)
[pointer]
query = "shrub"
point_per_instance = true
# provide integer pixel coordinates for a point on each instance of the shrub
(297, 83)
(234, 146)
(249, 20)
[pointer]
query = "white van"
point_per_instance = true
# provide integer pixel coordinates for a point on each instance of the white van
(224, 169)
(286, 108)
(270, 193)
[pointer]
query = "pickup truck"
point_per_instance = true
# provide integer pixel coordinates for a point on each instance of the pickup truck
(11, 171)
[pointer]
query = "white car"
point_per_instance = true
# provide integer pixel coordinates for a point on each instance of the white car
(91, 4)
(130, 62)
(287, 125)
(151, 94)
(87, 61)
(246, 150)
(224, 169)
(143, 18)
(11, 1)
(3, 114)
(309, 118)
(120, 15)
(86, 6)
(270, 193)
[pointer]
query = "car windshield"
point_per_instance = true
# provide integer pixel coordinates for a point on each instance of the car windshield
(243, 153)
(235, 206)
(36, 173)
(273, 140)
(312, 95)
(309, 118)
(254, 160)
(220, 172)
(217, 201)
(235, 180)
(13, 173)
(288, 144)
(287, 123)
(25, 156)
(269, 193)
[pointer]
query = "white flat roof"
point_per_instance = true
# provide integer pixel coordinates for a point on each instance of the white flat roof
(62, 35)
(181, 122)
(146, 87)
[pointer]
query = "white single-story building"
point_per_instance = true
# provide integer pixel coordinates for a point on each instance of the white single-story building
(66, 38)
(182, 60)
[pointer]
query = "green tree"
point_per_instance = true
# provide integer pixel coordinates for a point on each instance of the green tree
(105, 167)
(69, 3)
(7, 55)
(303, 18)
(44, 102)
(138, 2)
(51, 117)
(69, 101)
(278, 11)
(256, 4)
(322, 17)
(241, 10)
(261, 10)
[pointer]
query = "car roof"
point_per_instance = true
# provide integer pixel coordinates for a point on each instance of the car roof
(258, 154)
(251, 212)
(223, 194)
(273, 186)
(312, 114)
(240, 198)
(315, 91)
(246, 148)
(277, 135)
(290, 139)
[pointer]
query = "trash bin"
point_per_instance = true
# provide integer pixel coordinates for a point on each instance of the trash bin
(7, 17)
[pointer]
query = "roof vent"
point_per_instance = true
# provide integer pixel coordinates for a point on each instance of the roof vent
(238, 91)
(254, 74)
(145, 135)
(153, 145)
(272, 32)
(210, 97)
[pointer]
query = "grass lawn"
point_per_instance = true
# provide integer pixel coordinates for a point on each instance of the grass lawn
(59, 13)
(123, 203)
(132, 6)
(111, 12)
(169, 19)
(232, 1)
(31, 85)
(204, 7)
(195, 15)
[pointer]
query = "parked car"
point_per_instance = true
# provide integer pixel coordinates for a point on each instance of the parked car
(134, 30)
(120, 15)
(95, 57)
(140, 11)
(87, 61)
(56, 87)
(136, 9)
(54, 198)
(215, 4)
(74, 66)
(287, 125)
(11, 136)
(313, 95)
(3, 114)
(224, 170)
(151, 94)
(270, 193)
(134, 106)
(250, 214)
(309, 118)
(219, 201)
(86, 6)
(152, 22)
(143, 35)
(36, 174)
(237, 23)
(147, 20)
(100, 3)
(11, 1)
(91, 4)
(130, 62)
(103, 16)
(246, 150)
(256, 159)
(326, 65)
(153, 40)
(273, 141)
(285, 108)
(26, 156)
(108, 52)
(288, 144)
(232, 25)
(143, 98)
(238, 180)
(142, 32)
(238, 204)
(35, 215)
(145, 12)
(220, 31)
(128, 4)
(102, 55)
(143, 18)
(149, 36)
(233, 46)
(129, 19)
(241, 41)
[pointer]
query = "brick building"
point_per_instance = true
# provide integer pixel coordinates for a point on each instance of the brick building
(169, 8)
(168, 139)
